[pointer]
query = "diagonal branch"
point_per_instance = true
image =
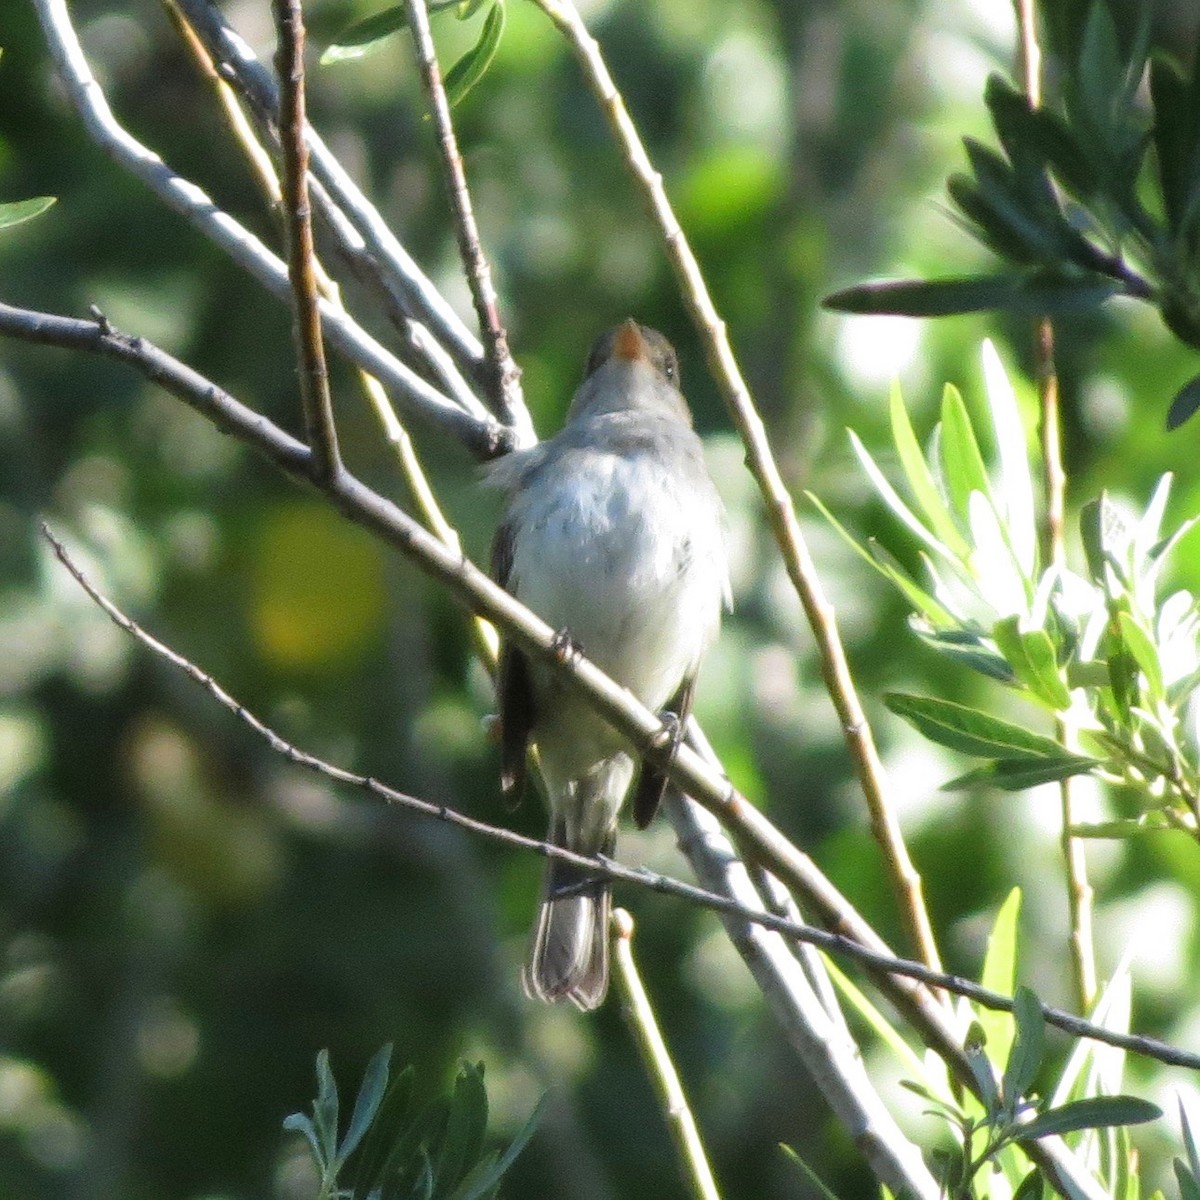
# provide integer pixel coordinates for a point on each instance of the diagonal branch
(314, 375)
(835, 669)
(483, 437)
(376, 252)
(607, 868)
(505, 374)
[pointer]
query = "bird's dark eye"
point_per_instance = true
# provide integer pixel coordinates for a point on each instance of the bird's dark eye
(670, 368)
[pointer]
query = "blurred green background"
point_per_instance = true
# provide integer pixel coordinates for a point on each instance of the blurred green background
(184, 919)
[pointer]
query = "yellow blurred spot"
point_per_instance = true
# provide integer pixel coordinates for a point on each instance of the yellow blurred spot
(318, 596)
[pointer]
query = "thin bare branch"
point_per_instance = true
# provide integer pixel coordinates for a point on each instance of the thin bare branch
(505, 388)
(820, 1040)
(835, 670)
(484, 438)
(310, 345)
(656, 1058)
(725, 905)
(377, 253)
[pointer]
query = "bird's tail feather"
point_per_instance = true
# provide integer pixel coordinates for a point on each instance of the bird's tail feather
(568, 957)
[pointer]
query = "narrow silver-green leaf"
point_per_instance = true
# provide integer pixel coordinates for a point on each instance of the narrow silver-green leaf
(1093, 1112)
(1028, 1048)
(370, 1096)
(1031, 655)
(1017, 774)
(920, 478)
(999, 975)
(16, 211)
(1145, 653)
(470, 69)
(911, 591)
(962, 464)
(969, 730)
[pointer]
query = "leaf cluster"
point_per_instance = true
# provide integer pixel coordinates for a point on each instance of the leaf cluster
(393, 1150)
(1102, 647)
(1086, 197)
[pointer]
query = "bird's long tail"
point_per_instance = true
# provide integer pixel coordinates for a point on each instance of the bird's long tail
(568, 957)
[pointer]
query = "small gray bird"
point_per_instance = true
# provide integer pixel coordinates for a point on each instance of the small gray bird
(613, 534)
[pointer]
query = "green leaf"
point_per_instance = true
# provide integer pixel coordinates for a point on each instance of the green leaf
(470, 69)
(999, 974)
(1093, 1112)
(981, 1069)
(1023, 295)
(892, 498)
(466, 1126)
(1145, 653)
(366, 1105)
(883, 1028)
(365, 36)
(16, 211)
(1031, 1187)
(1028, 1048)
(921, 480)
(1189, 1142)
(481, 1181)
(970, 731)
(325, 1109)
(966, 647)
(1186, 402)
(300, 1123)
(1189, 1189)
(1031, 655)
(962, 464)
(813, 1178)
(1017, 774)
(877, 558)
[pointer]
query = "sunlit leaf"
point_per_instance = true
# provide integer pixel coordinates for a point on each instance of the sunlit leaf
(1028, 1048)
(920, 478)
(1031, 655)
(999, 975)
(16, 211)
(1093, 1112)
(969, 730)
(470, 69)
(1144, 652)
(962, 464)
(1017, 774)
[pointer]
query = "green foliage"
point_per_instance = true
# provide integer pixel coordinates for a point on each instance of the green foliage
(366, 36)
(403, 1153)
(1086, 198)
(1105, 647)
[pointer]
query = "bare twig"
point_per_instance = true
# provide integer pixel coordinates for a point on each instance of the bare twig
(656, 1058)
(801, 569)
(259, 159)
(377, 254)
(483, 438)
(505, 380)
(751, 912)
(820, 1040)
(314, 375)
(1079, 889)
